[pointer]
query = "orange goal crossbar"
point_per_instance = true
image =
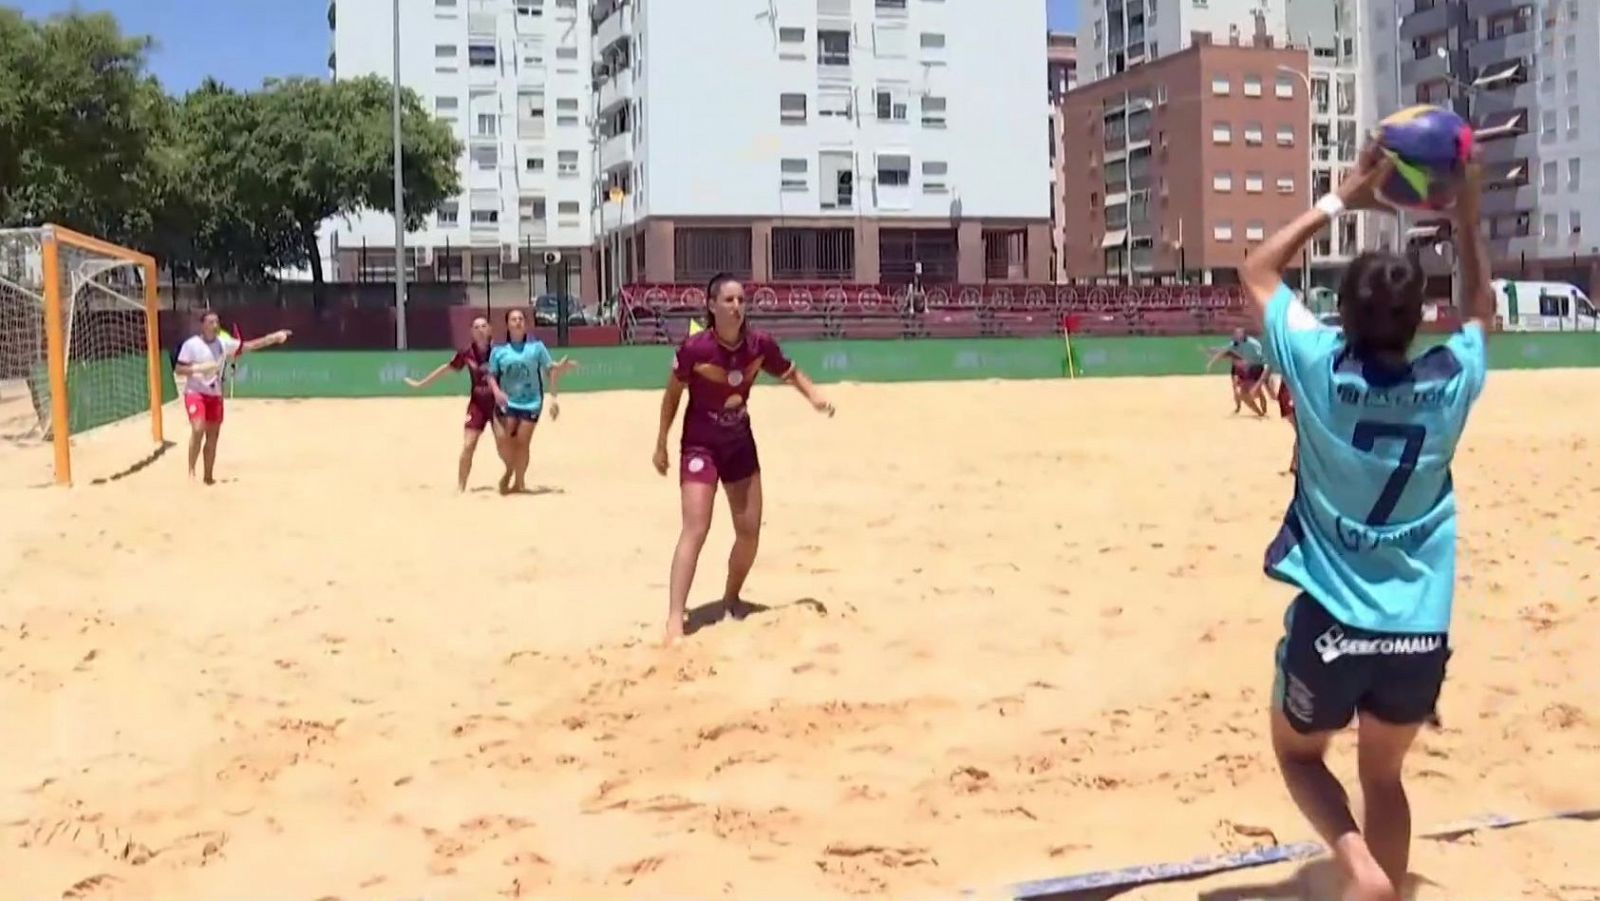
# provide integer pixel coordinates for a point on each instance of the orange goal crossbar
(54, 237)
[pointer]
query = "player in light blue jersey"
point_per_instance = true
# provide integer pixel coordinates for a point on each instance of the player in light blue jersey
(1249, 374)
(1369, 538)
(521, 372)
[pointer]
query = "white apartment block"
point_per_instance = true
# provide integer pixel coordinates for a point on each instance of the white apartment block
(512, 78)
(865, 141)
(1115, 35)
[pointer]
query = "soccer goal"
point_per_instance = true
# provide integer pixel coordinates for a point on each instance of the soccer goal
(79, 347)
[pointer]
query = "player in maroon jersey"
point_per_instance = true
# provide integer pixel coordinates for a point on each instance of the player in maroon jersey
(717, 367)
(474, 358)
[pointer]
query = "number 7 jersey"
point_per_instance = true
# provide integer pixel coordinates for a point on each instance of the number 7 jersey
(1371, 531)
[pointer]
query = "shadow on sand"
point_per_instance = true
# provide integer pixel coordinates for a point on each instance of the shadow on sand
(710, 614)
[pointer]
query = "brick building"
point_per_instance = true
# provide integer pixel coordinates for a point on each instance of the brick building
(1186, 162)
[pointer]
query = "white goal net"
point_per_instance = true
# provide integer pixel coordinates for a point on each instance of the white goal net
(106, 336)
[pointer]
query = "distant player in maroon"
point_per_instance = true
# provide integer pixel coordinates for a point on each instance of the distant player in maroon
(474, 358)
(717, 367)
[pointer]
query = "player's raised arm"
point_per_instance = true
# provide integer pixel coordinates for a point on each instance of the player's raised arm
(1262, 271)
(265, 341)
(774, 363)
(1477, 297)
(430, 378)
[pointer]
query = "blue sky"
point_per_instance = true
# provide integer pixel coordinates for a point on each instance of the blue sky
(241, 42)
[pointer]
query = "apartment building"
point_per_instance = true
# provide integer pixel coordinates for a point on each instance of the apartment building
(1061, 52)
(1182, 164)
(512, 79)
(873, 141)
(1517, 70)
(1123, 34)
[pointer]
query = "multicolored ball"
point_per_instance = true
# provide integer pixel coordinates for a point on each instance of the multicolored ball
(1430, 147)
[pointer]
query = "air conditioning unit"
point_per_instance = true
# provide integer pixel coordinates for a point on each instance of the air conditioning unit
(552, 257)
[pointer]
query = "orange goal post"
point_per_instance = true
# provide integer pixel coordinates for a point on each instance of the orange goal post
(79, 344)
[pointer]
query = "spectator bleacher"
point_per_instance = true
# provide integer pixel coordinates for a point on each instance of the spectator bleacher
(661, 313)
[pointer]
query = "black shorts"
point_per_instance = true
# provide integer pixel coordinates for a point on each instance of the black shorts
(509, 415)
(1326, 671)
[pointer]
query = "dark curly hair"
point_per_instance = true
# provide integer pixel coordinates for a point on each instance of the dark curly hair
(1380, 303)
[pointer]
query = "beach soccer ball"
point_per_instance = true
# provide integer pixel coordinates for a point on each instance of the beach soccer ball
(1430, 147)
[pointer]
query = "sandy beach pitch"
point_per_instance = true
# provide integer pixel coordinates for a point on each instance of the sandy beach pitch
(1019, 630)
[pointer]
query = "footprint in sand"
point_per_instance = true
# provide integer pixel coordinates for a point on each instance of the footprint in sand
(100, 885)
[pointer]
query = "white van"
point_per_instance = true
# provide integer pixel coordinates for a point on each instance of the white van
(1543, 307)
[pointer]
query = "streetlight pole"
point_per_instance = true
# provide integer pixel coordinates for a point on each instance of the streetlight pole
(399, 201)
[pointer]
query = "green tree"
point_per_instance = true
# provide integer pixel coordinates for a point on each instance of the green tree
(78, 119)
(321, 150)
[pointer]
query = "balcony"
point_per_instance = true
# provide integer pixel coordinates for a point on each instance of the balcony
(1479, 9)
(1522, 45)
(1429, 68)
(616, 90)
(1510, 200)
(614, 28)
(1509, 150)
(1427, 22)
(616, 151)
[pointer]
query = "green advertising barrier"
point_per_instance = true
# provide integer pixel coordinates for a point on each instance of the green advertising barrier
(282, 373)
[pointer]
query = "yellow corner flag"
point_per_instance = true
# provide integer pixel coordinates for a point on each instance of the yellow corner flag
(695, 327)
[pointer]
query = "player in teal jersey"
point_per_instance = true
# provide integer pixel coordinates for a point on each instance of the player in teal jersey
(1369, 537)
(520, 372)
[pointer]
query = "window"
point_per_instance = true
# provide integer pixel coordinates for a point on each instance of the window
(793, 174)
(533, 8)
(567, 163)
(835, 103)
(894, 170)
(1572, 122)
(449, 213)
(932, 46)
(890, 7)
(485, 217)
(1552, 228)
(1255, 231)
(792, 108)
(531, 210)
(1252, 86)
(1252, 134)
(566, 111)
(934, 177)
(1253, 182)
(565, 54)
(1286, 136)
(1572, 81)
(1547, 126)
(481, 56)
(1221, 133)
(793, 39)
(891, 104)
(1222, 182)
(1220, 86)
(1284, 87)
(833, 48)
(1222, 231)
(444, 57)
(1286, 184)
(933, 112)
(1551, 180)
(567, 210)
(485, 125)
(534, 164)
(485, 157)
(1575, 221)
(445, 4)
(1574, 174)
(446, 107)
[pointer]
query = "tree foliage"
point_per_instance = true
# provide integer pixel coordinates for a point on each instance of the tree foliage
(220, 180)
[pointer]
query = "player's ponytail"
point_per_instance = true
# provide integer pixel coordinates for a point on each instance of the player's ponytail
(1380, 303)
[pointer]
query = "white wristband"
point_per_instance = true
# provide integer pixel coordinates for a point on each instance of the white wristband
(1331, 206)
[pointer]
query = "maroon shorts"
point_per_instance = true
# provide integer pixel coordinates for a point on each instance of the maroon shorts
(733, 461)
(1249, 373)
(480, 412)
(204, 408)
